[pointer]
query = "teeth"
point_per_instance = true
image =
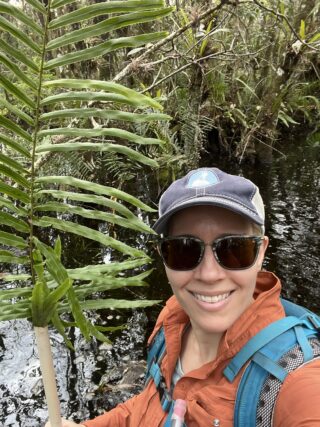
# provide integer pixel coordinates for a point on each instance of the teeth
(211, 299)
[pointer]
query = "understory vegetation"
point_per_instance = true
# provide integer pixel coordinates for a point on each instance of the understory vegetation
(237, 77)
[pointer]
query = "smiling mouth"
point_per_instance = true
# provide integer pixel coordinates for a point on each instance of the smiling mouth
(211, 299)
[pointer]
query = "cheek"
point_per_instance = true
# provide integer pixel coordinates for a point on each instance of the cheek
(246, 279)
(178, 279)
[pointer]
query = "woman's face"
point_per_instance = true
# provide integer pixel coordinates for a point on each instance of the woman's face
(213, 297)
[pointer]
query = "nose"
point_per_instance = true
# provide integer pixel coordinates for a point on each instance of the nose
(209, 270)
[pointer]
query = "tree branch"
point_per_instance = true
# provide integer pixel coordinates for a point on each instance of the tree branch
(168, 39)
(280, 15)
(225, 53)
(194, 62)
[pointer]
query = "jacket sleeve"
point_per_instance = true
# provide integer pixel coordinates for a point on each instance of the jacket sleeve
(299, 397)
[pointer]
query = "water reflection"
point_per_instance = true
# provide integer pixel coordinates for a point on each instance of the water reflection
(290, 188)
(294, 207)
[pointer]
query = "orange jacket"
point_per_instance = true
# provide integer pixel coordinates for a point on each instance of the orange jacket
(208, 394)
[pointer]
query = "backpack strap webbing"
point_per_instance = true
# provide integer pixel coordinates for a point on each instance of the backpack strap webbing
(297, 318)
(256, 343)
(268, 367)
(157, 350)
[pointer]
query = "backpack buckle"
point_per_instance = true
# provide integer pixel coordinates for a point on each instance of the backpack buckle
(315, 322)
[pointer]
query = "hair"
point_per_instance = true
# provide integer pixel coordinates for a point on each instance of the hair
(257, 229)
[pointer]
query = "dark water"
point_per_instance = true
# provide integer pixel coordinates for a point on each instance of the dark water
(290, 188)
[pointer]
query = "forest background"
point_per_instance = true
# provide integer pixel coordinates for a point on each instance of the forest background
(102, 100)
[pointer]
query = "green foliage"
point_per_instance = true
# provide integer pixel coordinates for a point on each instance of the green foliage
(46, 116)
(250, 68)
(314, 140)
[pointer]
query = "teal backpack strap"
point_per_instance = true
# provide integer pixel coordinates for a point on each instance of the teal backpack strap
(292, 342)
(256, 343)
(156, 352)
(260, 385)
(296, 310)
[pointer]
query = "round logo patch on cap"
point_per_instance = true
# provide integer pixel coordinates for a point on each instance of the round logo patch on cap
(202, 179)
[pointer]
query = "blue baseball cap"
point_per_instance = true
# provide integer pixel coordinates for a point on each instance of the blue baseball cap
(212, 187)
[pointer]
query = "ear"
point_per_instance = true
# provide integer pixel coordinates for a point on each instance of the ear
(262, 251)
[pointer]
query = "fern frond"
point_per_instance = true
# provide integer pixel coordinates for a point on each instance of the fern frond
(46, 119)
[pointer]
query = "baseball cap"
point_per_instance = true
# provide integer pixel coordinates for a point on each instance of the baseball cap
(213, 187)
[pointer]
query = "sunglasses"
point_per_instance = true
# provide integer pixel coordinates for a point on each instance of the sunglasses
(183, 253)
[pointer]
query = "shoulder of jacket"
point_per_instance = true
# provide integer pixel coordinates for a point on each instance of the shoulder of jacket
(307, 375)
(298, 400)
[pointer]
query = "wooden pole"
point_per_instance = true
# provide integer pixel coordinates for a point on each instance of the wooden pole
(48, 375)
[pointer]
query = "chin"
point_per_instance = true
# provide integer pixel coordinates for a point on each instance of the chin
(215, 327)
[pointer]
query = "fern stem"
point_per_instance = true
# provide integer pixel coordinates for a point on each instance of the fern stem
(35, 139)
(48, 376)
(41, 333)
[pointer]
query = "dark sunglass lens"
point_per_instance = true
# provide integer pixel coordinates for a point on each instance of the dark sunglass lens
(237, 252)
(181, 253)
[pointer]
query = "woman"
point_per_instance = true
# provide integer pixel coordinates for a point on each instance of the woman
(213, 246)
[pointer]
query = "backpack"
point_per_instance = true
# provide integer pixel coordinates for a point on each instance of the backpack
(281, 347)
